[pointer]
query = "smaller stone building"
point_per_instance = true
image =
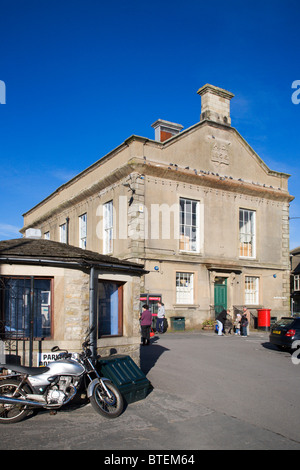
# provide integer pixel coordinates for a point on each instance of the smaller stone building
(51, 293)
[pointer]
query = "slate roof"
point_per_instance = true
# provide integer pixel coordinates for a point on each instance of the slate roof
(47, 252)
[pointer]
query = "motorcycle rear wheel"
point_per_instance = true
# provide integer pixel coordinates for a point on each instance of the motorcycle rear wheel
(12, 413)
(108, 407)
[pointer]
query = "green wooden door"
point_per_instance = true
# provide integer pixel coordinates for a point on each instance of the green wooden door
(220, 294)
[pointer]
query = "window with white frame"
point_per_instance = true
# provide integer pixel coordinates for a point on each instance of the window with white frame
(189, 225)
(247, 230)
(63, 233)
(184, 288)
(297, 282)
(82, 230)
(251, 290)
(47, 235)
(108, 227)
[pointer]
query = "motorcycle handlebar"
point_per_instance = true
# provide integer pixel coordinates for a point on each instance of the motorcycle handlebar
(64, 355)
(85, 345)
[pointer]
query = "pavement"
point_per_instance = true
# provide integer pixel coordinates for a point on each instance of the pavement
(209, 393)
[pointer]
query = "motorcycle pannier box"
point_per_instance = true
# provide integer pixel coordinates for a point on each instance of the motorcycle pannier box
(127, 376)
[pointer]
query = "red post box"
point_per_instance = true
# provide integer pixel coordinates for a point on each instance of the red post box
(264, 319)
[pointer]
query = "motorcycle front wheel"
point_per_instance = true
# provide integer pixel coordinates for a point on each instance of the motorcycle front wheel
(12, 413)
(110, 407)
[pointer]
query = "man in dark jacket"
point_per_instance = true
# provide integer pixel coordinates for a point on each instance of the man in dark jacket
(244, 324)
(221, 318)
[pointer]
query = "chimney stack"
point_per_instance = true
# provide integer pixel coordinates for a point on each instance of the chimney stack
(164, 130)
(215, 104)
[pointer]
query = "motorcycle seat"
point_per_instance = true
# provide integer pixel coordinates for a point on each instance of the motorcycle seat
(24, 369)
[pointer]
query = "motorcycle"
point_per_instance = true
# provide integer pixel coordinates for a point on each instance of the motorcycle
(53, 386)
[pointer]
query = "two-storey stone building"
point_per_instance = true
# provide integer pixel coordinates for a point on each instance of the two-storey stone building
(198, 207)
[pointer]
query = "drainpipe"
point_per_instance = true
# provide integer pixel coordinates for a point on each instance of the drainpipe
(67, 230)
(93, 312)
(31, 321)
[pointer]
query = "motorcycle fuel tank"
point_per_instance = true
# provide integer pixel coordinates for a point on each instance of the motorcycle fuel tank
(60, 367)
(65, 367)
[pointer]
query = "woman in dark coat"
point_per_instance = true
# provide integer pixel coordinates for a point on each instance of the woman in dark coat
(146, 321)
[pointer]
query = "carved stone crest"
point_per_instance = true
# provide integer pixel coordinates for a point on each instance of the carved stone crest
(220, 153)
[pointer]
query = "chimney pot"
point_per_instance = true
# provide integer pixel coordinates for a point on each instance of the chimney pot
(164, 130)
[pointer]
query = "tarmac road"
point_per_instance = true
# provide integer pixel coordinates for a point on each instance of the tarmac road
(209, 393)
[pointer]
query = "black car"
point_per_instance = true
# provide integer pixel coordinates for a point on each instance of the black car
(285, 333)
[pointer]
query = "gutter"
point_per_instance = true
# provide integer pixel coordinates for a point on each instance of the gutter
(73, 264)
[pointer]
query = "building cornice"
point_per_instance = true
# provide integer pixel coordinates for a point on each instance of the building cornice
(177, 174)
(208, 180)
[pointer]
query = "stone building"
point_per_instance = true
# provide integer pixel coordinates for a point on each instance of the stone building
(197, 206)
(52, 293)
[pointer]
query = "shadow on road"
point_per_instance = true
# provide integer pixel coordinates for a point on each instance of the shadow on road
(270, 346)
(149, 355)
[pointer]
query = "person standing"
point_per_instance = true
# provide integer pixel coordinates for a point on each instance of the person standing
(244, 324)
(221, 318)
(248, 315)
(228, 323)
(160, 317)
(237, 324)
(146, 321)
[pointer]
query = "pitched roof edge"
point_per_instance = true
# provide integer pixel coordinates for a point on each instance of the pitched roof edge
(27, 251)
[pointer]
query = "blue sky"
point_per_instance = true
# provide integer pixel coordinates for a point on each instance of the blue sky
(83, 75)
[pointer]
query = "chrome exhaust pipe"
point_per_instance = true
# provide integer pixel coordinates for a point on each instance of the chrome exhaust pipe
(21, 401)
(37, 404)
